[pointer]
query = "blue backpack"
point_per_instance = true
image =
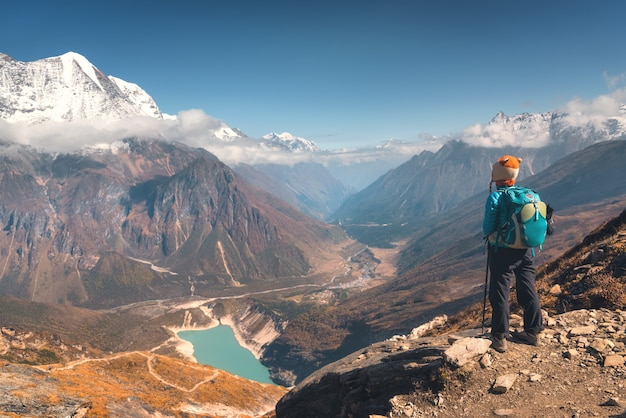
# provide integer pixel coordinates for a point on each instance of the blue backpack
(527, 218)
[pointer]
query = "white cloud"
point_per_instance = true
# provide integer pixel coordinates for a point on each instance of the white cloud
(613, 81)
(71, 136)
(596, 111)
(533, 130)
(534, 134)
(197, 129)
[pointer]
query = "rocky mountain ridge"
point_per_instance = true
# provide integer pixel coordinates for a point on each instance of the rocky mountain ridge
(289, 142)
(162, 212)
(577, 370)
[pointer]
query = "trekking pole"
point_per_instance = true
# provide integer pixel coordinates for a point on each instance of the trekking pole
(486, 284)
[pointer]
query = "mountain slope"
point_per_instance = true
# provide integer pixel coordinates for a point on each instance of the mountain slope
(137, 384)
(306, 186)
(72, 222)
(395, 205)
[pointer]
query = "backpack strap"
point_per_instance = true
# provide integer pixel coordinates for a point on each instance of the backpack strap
(502, 228)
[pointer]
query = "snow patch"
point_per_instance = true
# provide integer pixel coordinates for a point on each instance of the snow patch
(88, 68)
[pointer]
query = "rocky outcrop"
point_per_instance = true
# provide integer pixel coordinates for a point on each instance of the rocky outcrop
(257, 328)
(19, 346)
(578, 368)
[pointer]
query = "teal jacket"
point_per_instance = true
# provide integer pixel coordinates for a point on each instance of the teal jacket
(494, 218)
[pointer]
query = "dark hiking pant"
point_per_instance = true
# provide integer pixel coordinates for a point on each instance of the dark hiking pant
(504, 264)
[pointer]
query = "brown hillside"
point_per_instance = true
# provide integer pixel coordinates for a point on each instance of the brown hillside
(137, 384)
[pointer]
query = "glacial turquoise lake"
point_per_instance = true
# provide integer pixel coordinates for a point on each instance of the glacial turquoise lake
(218, 347)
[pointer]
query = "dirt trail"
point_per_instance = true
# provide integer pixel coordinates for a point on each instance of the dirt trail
(149, 359)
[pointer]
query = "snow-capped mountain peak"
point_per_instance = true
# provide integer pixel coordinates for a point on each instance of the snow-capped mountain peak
(138, 96)
(226, 133)
(67, 88)
(289, 142)
(69, 58)
(391, 143)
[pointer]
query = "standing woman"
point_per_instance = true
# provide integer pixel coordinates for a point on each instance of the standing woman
(505, 263)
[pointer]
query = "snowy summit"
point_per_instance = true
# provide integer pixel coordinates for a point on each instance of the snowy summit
(67, 88)
(289, 142)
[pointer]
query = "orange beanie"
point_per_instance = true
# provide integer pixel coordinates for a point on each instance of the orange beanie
(505, 170)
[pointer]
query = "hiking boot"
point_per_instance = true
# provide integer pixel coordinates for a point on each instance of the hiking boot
(526, 337)
(499, 344)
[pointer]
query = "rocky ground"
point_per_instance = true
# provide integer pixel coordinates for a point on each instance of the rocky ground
(577, 371)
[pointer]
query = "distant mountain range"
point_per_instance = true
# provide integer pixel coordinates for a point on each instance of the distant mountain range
(306, 186)
(399, 202)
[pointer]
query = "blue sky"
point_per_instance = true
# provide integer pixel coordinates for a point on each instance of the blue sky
(340, 73)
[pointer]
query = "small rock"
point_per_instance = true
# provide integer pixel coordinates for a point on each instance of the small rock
(555, 290)
(424, 328)
(504, 383)
(8, 331)
(600, 345)
(516, 321)
(584, 330)
(613, 361)
(608, 327)
(466, 349)
(486, 361)
(503, 412)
